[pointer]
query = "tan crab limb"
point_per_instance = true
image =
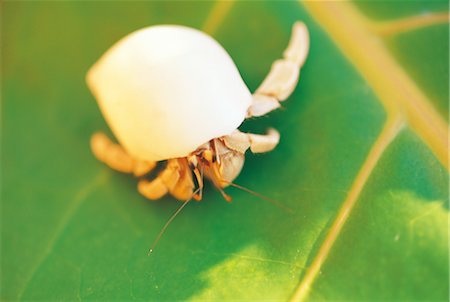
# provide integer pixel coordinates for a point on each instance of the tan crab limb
(171, 174)
(163, 183)
(284, 74)
(298, 47)
(175, 179)
(237, 141)
(264, 143)
(262, 104)
(184, 188)
(153, 190)
(143, 167)
(257, 143)
(231, 167)
(232, 148)
(114, 156)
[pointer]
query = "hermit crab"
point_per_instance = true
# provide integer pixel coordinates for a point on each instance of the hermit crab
(172, 94)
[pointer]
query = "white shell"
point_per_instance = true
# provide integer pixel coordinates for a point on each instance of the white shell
(165, 90)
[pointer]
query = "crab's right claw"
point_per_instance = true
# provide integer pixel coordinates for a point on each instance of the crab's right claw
(284, 74)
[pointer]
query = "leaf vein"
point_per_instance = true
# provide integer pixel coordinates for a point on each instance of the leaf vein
(72, 209)
(403, 25)
(353, 34)
(387, 135)
(218, 13)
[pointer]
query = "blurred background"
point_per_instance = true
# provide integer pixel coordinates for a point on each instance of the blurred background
(363, 160)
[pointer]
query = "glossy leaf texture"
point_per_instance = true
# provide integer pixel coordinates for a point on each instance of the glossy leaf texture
(362, 161)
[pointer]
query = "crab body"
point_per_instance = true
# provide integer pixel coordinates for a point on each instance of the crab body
(172, 93)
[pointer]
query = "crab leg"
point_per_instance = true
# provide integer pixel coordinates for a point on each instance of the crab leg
(184, 188)
(175, 179)
(257, 143)
(114, 156)
(284, 74)
(154, 189)
(163, 183)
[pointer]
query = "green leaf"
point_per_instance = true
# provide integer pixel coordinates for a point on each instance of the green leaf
(362, 161)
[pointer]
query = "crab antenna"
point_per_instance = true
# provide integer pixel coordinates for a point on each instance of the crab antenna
(169, 221)
(275, 202)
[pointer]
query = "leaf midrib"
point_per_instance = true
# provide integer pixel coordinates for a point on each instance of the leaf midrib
(72, 208)
(403, 101)
(360, 42)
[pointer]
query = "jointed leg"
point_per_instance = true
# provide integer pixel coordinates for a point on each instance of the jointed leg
(184, 188)
(161, 185)
(175, 179)
(284, 74)
(257, 143)
(115, 156)
(143, 167)
(154, 189)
